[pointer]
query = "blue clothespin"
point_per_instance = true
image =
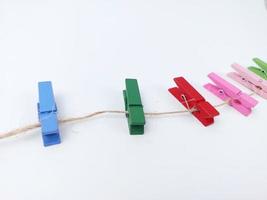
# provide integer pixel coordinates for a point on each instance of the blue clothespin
(47, 112)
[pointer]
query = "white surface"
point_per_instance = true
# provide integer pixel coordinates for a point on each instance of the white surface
(87, 48)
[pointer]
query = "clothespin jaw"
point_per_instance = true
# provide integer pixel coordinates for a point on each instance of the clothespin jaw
(133, 105)
(249, 79)
(193, 101)
(262, 71)
(231, 94)
(47, 113)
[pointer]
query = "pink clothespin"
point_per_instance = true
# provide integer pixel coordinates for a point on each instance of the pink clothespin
(249, 80)
(228, 92)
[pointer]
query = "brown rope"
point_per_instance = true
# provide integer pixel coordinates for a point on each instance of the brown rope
(30, 127)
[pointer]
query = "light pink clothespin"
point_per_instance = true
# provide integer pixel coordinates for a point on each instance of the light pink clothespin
(227, 92)
(249, 80)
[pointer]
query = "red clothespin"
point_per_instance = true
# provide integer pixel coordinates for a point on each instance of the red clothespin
(193, 101)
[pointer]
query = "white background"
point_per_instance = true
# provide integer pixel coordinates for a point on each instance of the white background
(87, 49)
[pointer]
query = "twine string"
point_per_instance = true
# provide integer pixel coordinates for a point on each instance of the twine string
(34, 126)
(193, 109)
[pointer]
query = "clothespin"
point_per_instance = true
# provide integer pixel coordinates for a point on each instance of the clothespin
(249, 80)
(193, 101)
(231, 94)
(47, 112)
(133, 106)
(262, 71)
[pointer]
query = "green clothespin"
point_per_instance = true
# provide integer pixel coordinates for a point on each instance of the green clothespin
(262, 71)
(134, 107)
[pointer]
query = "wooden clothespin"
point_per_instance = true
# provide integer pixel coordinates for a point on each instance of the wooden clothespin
(193, 101)
(133, 106)
(262, 71)
(47, 112)
(227, 92)
(249, 79)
